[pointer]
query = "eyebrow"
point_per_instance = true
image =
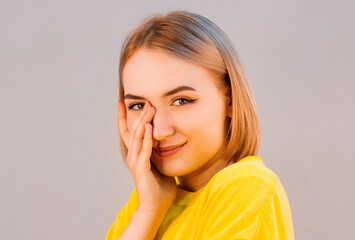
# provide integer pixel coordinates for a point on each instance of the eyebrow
(171, 92)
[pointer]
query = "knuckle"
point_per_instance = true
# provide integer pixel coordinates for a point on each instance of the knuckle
(131, 167)
(130, 163)
(126, 141)
(137, 133)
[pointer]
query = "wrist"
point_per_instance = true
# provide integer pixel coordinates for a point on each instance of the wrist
(151, 213)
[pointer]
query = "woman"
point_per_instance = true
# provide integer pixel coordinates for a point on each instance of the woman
(189, 133)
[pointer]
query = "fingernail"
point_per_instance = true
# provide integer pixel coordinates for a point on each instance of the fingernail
(148, 106)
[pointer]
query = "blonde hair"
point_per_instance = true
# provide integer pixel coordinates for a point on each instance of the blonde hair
(196, 39)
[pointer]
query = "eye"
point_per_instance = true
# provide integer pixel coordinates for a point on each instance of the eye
(136, 104)
(183, 101)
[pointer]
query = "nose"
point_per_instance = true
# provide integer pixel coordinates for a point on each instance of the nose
(162, 125)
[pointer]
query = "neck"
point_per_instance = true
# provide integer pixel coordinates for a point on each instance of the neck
(199, 178)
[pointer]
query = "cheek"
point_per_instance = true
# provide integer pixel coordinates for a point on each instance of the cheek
(206, 125)
(194, 123)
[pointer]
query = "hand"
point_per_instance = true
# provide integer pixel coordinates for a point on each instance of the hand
(155, 191)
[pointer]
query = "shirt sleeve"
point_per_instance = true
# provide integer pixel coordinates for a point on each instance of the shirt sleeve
(123, 217)
(276, 222)
(248, 207)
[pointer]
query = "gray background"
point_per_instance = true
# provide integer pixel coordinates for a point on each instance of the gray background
(61, 173)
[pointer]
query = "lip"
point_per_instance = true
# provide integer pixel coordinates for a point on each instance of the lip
(168, 153)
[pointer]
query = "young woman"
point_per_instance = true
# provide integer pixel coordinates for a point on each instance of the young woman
(189, 133)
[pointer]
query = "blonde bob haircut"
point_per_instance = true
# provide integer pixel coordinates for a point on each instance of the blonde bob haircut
(196, 39)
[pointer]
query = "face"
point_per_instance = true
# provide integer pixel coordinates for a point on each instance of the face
(195, 116)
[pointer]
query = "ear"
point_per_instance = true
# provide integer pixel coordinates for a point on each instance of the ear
(229, 106)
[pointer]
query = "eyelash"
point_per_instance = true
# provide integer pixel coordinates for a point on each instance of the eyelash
(187, 100)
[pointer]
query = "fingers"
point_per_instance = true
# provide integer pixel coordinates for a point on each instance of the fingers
(146, 151)
(139, 119)
(137, 134)
(147, 140)
(122, 122)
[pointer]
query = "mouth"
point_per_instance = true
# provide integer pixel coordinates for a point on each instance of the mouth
(170, 152)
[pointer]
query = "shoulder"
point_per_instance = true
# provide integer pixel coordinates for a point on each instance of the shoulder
(249, 174)
(245, 199)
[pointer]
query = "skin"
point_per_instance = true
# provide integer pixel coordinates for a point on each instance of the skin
(201, 124)
(155, 190)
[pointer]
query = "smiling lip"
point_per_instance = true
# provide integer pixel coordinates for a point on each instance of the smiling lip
(170, 152)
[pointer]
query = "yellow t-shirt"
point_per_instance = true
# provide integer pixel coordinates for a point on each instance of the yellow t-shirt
(245, 200)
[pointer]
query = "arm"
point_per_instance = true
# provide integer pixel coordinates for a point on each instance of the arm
(143, 225)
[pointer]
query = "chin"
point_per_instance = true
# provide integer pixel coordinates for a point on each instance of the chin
(168, 168)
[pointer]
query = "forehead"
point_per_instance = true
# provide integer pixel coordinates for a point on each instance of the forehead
(155, 71)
